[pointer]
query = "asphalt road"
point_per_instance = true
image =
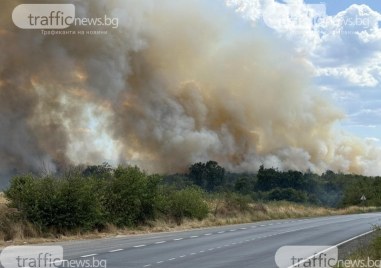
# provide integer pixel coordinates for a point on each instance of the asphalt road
(245, 245)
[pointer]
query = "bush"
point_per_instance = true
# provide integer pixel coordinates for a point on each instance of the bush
(237, 202)
(287, 194)
(230, 204)
(131, 196)
(65, 204)
(186, 203)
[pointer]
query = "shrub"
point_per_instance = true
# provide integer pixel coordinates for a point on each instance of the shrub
(186, 203)
(131, 196)
(65, 204)
(288, 194)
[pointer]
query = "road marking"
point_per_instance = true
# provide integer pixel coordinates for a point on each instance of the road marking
(253, 226)
(147, 265)
(202, 251)
(221, 232)
(211, 249)
(233, 230)
(90, 255)
(207, 234)
(194, 236)
(160, 242)
(243, 228)
(115, 250)
(178, 239)
(193, 253)
(182, 256)
(172, 259)
(139, 246)
(328, 249)
(262, 225)
(159, 262)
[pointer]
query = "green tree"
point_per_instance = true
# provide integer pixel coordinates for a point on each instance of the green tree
(208, 176)
(131, 197)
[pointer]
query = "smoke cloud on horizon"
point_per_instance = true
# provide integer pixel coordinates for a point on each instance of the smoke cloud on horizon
(176, 83)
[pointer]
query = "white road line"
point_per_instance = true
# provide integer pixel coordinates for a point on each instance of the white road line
(178, 239)
(115, 250)
(194, 236)
(202, 251)
(253, 226)
(160, 242)
(221, 232)
(147, 265)
(211, 249)
(172, 259)
(328, 249)
(193, 253)
(207, 234)
(139, 246)
(182, 256)
(159, 262)
(233, 230)
(243, 228)
(90, 255)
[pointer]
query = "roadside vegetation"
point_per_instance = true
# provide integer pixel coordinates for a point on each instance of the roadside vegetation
(367, 255)
(101, 199)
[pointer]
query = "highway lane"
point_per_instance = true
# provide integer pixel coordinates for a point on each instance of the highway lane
(244, 245)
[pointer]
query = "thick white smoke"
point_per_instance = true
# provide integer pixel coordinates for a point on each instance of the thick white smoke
(177, 82)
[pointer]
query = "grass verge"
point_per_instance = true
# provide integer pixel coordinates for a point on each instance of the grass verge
(15, 230)
(368, 256)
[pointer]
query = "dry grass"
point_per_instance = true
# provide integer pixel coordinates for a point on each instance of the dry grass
(3, 201)
(19, 232)
(370, 250)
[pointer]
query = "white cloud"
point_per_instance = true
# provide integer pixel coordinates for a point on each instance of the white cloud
(343, 53)
(362, 77)
(345, 47)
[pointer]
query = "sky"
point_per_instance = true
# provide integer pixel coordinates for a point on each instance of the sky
(334, 6)
(342, 48)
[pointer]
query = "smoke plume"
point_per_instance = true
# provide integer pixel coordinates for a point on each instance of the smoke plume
(177, 82)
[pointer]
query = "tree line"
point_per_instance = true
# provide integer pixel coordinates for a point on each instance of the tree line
(270, 184)
(92, 197)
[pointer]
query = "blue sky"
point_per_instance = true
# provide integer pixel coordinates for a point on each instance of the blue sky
(335, 6)
(343, 50)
